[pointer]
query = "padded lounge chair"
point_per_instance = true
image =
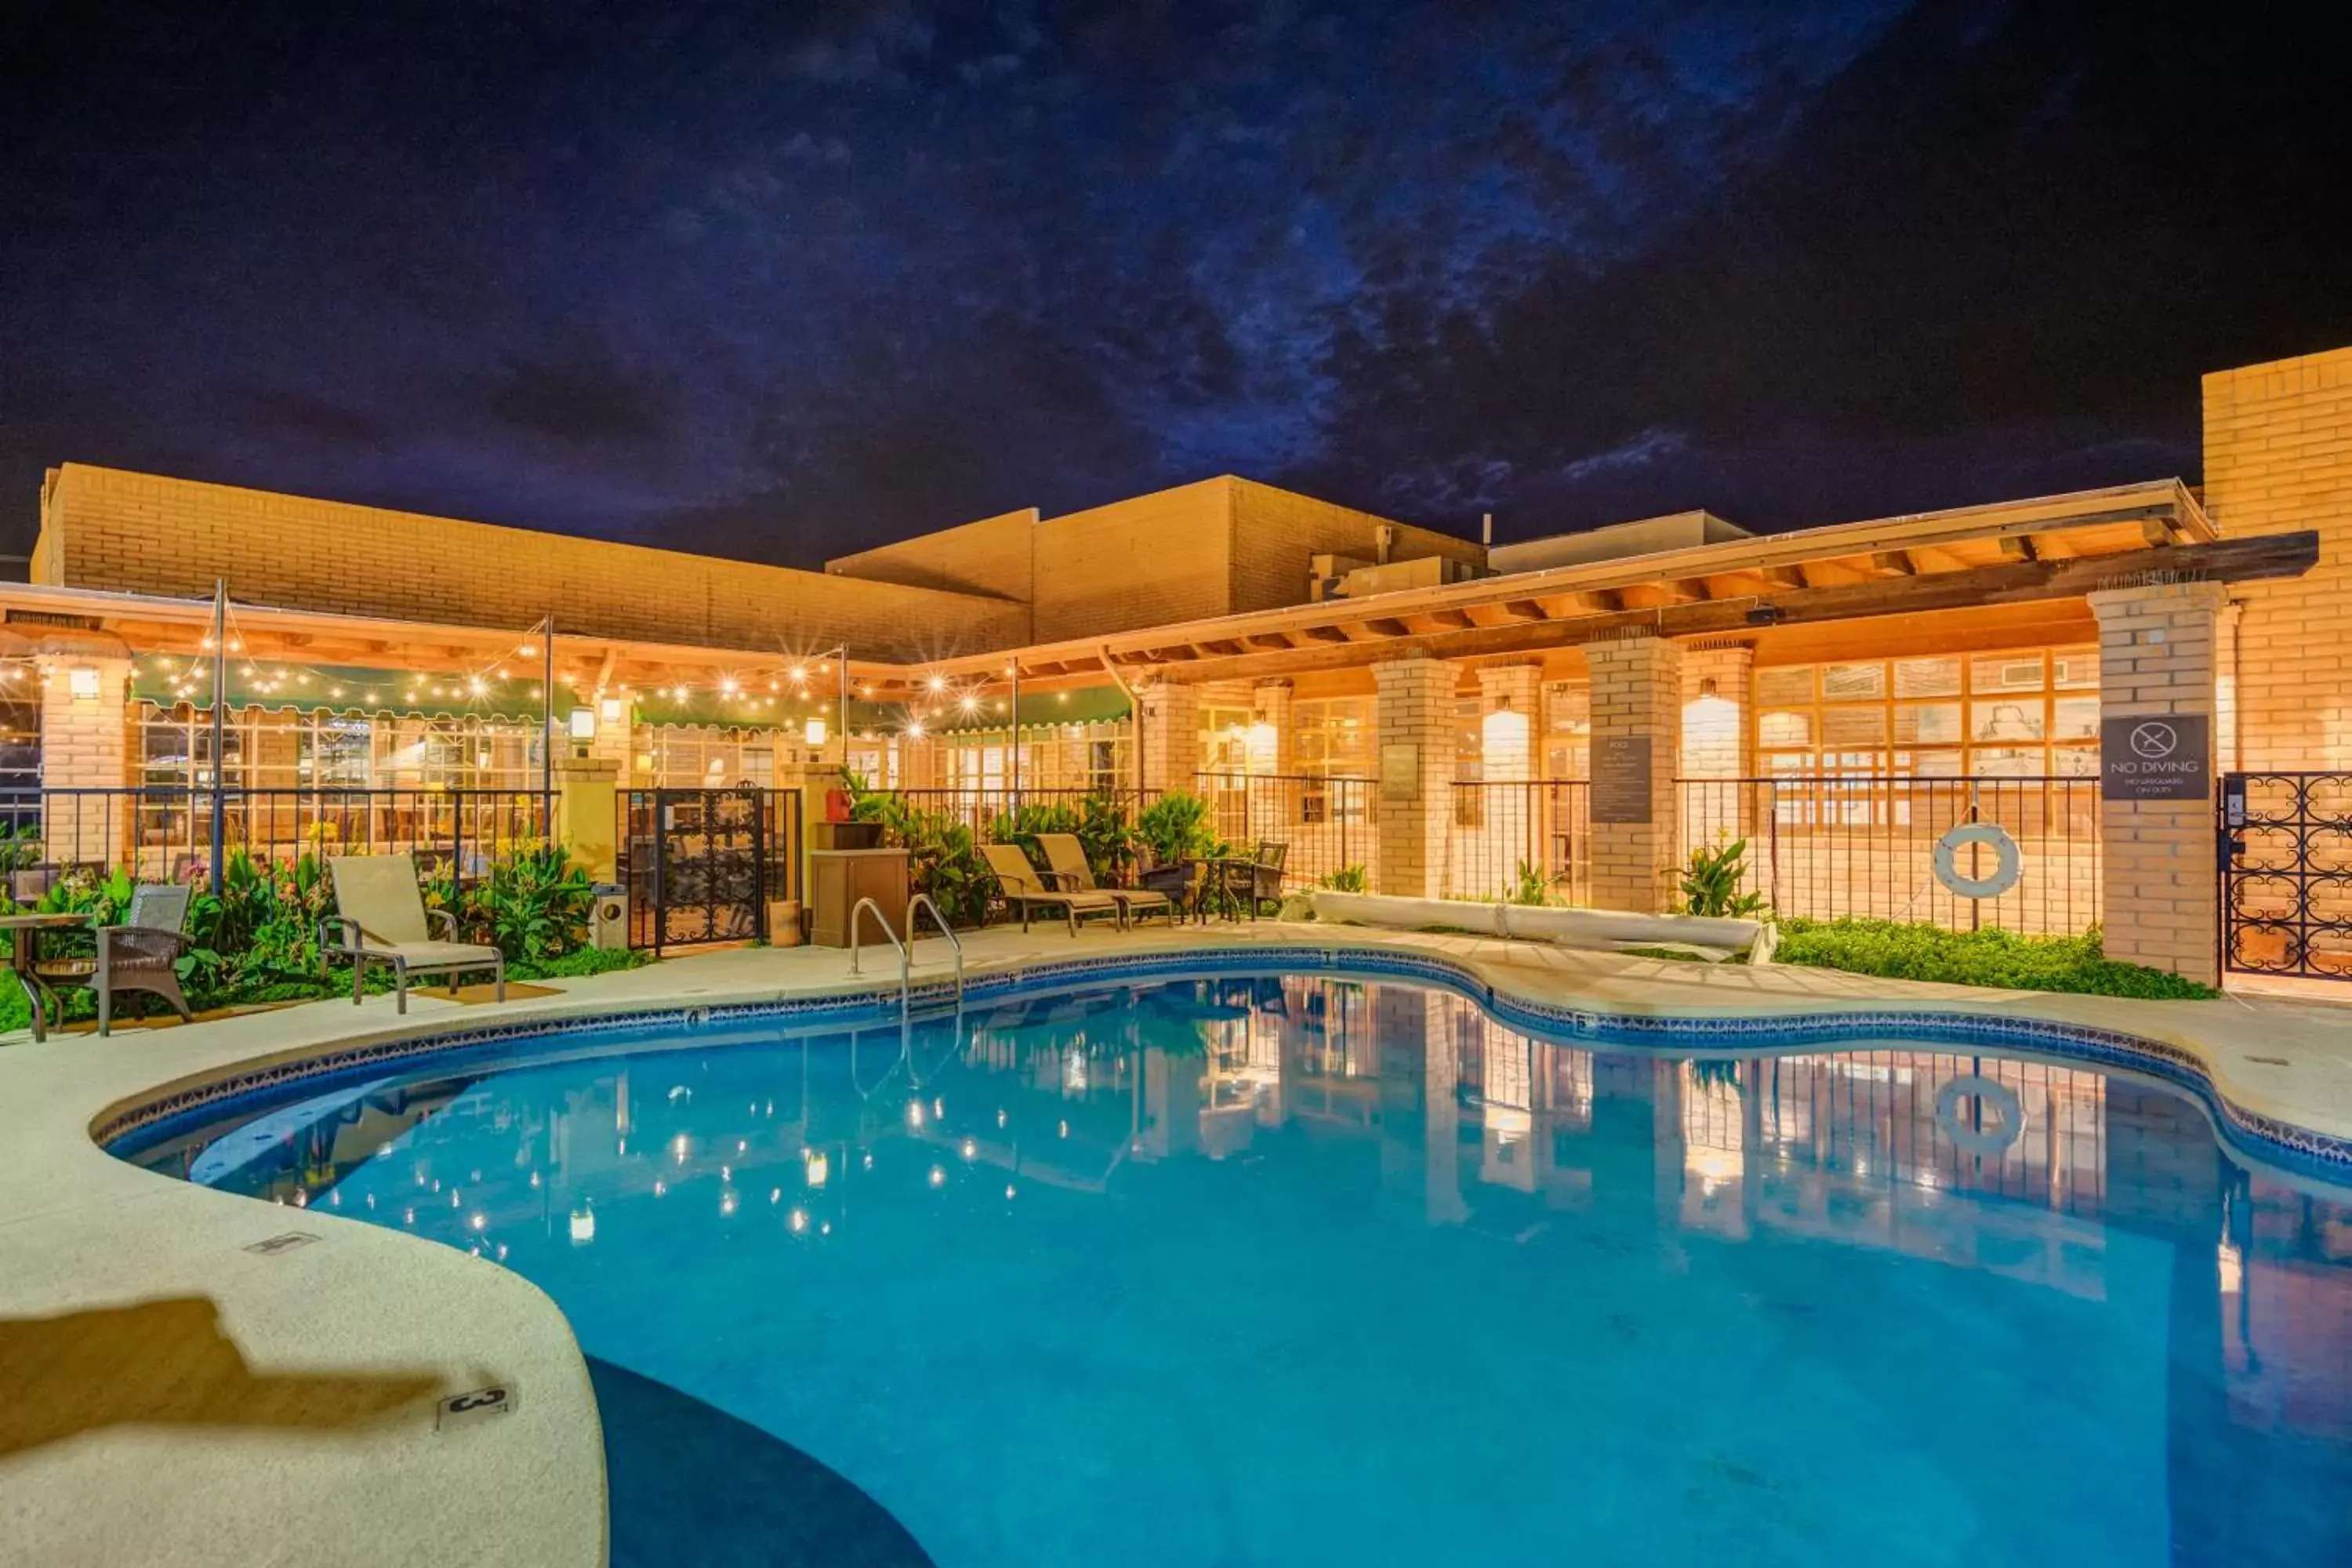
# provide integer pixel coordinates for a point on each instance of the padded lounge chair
(380, 917)
(140, 954)
(1022, 887)
(1067, 868)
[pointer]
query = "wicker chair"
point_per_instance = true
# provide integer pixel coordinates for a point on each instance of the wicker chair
(140, 954)
(1266, 872)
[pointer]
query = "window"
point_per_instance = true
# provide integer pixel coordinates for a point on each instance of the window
(280, 749)
(1334, 737)
(1225, 739)
(701, 756)
(2018, 713)
(1566, 746)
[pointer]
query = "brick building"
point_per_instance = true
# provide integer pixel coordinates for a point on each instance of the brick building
(1570, 715)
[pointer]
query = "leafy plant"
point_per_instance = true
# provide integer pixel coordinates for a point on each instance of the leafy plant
(1023, 824)
(1532, 885)
(1898, 951)
(1711, 882)
(1346, 879)
(943, 857)
(20, 847)
(535, 901)
(1106, 836)
(1176, 827)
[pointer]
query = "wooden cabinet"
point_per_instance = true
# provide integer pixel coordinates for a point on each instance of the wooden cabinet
(839, 877)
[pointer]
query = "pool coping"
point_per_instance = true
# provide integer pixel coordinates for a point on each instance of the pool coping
(54, 1096)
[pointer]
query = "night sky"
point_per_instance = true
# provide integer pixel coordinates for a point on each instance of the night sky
(779, 281)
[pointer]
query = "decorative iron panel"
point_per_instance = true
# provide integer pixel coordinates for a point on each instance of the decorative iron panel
(2286, 874)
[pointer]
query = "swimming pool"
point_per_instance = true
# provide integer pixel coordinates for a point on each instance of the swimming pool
(1319, 1269)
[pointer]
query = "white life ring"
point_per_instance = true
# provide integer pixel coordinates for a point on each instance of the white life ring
(1997, 1098)
(2008, 865)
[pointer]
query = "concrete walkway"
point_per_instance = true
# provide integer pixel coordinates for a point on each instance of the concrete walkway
(170, 1395)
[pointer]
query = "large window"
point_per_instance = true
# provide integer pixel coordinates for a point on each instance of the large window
(279, 749)
(1087, 757)
(1567, 751)
(2017, 713)
(700, 756)
(1333, 737)
(20, 726)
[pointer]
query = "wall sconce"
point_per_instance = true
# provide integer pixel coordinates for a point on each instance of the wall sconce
(82, 681)
(814, 731)
(584, 723)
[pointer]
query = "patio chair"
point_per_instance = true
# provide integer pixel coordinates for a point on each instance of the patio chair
(1266, 872)
(1066, 870)
(380, 917)
(1018, 883)
(143, 953)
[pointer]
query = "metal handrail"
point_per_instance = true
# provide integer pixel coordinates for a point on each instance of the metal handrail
(916, 906)
(888, 935)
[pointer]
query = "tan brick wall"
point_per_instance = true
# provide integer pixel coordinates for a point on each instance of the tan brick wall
(2160, 893)
(105, 528)
(994, 556)
(1637, 686)
(1416, 709)
(1147, 560)
(2278, 456)
(1277, 532)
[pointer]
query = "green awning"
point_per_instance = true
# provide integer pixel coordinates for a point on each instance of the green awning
(344, 689)
(1042, 710)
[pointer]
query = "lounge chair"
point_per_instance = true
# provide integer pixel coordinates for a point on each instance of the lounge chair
(140, 954)
(380, 917)
(1023, 888)
(1066, 870)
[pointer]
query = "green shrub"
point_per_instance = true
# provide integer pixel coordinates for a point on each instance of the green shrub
(1532, 885)
(1711, 882)
(1176, 827)
(1346, 879)
(1999, 959)
(535, 902)
(1023, 824)
(580, 962)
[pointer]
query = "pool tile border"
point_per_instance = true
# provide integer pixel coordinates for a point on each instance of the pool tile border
(2263, 1135)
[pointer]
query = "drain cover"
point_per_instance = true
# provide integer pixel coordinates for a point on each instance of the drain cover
(287, 1242)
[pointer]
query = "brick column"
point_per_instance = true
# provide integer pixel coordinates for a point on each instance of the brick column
(1171, 736)
(1271, 807)
(1637, 695)
(2161, 891)
(1415, 760)
(85, 744)
(1718, 743)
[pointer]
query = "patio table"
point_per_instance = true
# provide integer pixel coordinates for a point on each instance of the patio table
(24, 951)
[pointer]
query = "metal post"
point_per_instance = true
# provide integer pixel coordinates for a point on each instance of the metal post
(547, 731)
(843, 715)
(220, 696)
(1012, 730)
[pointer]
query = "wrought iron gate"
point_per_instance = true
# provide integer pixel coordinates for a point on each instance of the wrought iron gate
(704, 865)
(2286, 874)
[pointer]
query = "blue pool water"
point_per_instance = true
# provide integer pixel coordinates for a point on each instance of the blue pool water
(1307, 1270)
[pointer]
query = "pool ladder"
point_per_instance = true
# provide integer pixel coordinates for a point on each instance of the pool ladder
(915, 908)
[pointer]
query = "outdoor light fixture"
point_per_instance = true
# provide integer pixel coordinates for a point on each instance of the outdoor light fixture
(609, 710)
(1764, 616)
(584, 723)
(939, 683)
(814, 731)
(82, 681)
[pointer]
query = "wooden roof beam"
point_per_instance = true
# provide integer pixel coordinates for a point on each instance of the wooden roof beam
(1278, 642)
(1325, 634)
(1525, 609)
(2019, 547)
(1449, 619)
(1894, 564)
(1387, 626)
(2007, 582)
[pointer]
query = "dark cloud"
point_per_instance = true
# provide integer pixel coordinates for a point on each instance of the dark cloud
(788, 281)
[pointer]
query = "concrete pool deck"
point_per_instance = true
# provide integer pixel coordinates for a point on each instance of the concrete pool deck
(168, 1394)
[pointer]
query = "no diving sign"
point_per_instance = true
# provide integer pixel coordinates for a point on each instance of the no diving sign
(2156, 757)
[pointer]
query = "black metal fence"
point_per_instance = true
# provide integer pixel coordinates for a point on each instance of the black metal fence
(978, 808)
(1820, 847)
(1327, 824)
(166, 833)
(1523, 840)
